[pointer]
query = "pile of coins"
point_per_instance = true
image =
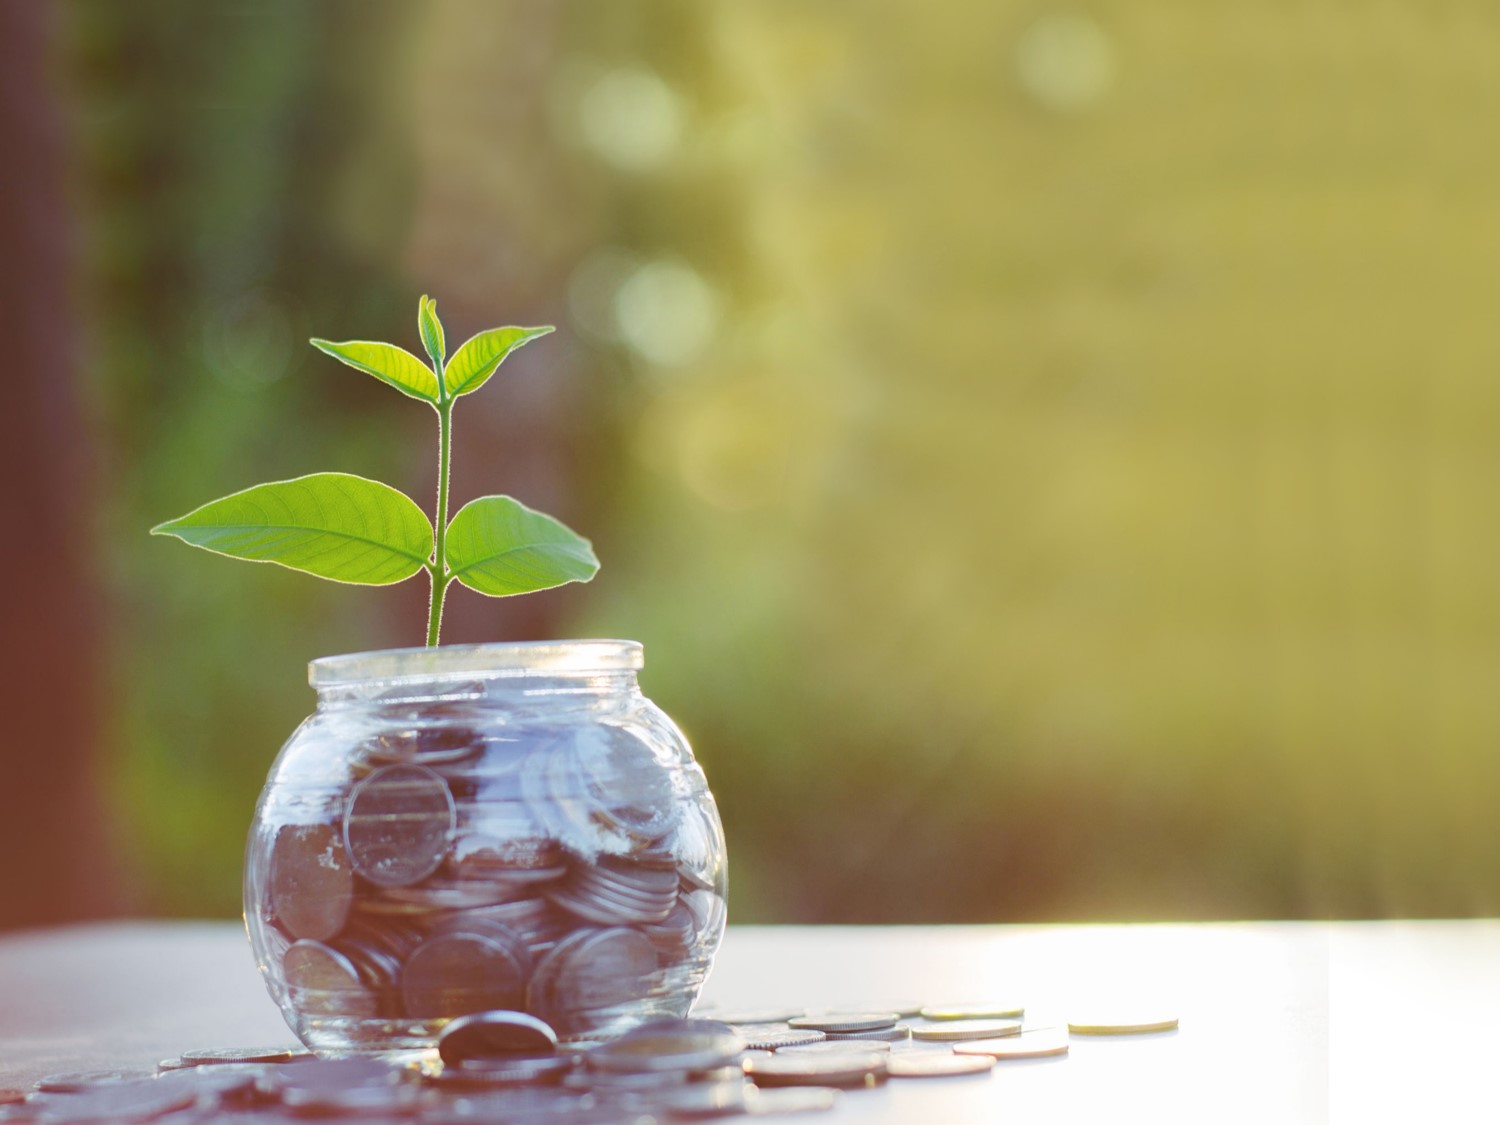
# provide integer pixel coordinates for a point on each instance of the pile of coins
(458, 867)
(509, 1066)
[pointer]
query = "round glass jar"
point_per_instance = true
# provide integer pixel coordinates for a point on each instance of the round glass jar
(481, 827)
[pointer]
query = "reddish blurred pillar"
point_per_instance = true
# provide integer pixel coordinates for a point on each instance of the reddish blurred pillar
(54, 865)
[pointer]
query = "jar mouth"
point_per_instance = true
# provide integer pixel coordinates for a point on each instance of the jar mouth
(512, 659)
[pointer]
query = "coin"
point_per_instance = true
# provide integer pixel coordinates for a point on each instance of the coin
(495, 1034)
(325, 982)
(804, 1099)
(880, 1034)
(472, 967)
(78, 1081)
(771, 1037)
(839, 1046)
(749, 1015)
(207, 1055)
(1028, 1045)
(311, 884)
(973, 1011)
(11, 1096)
(934, 1064)
(669, 1044)
(590, 970)
(844, 1021)
(398, 824)
(112, 1103)
(966, 1029)
(842, 1069)
(508, 1070)
(1122, 1023)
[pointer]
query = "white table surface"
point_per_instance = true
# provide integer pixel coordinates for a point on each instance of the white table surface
(1365, 1022)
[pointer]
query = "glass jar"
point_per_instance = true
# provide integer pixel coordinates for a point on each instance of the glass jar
(482, 827)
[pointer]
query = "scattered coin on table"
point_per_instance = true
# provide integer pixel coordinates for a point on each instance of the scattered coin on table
(953, 1030)
(838, 1047)
(1122, 1023)
(878, 1035)
(844, 1021)
(1029, 1045)
(974, 1011)
(770, 1037)
(507, 1064)
(936, 1064)
(208, 1055)
(841, 1070)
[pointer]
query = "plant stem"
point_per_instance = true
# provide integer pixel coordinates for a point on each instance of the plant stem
(439, 567)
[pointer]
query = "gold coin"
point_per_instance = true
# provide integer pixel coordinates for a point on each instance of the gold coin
(1136, 1023)
(973, 1011)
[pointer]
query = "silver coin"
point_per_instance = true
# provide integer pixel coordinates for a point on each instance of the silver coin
(704, 1100)
(79, 1081)
(844, 1021)
(208, 1055)
(839, 1047)
(669, 1044)
(843, 1069)
(324, 982)
(342, 1085)
(627, 784)
(465, 894)
(509, 1070)
(955, 1030)
(468, 970)
(109, 1104)
(789, 1099)
(591, 969)
(880, 1034)
(398, 824)
(936, 1064)
(495, 1034)
(773, 1037)
(749, 1015)
(311, 884)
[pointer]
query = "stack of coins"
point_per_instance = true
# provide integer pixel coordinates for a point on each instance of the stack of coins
(561, 871)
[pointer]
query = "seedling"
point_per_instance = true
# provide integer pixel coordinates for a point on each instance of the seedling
(351, 529)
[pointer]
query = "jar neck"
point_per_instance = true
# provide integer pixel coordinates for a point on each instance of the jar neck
(567, 672)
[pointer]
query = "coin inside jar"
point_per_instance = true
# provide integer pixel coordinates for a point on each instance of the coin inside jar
(398, 825)
(474, 967)
(311, 886)
(326, 982)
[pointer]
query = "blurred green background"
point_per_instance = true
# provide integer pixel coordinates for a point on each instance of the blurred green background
(1048, 450)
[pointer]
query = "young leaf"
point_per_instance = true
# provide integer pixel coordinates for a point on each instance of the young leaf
(386, 362)
(431, 329)
(334, 525)
(499, 546)
(476, 361)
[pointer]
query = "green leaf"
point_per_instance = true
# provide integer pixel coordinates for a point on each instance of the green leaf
(499, 546)
(431, 329)
(334, 525)
(476, 361)
(386, 362)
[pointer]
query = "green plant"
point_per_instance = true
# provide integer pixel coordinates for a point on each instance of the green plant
(351, 529)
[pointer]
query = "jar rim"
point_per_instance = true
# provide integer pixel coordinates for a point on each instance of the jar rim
(513, 658)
